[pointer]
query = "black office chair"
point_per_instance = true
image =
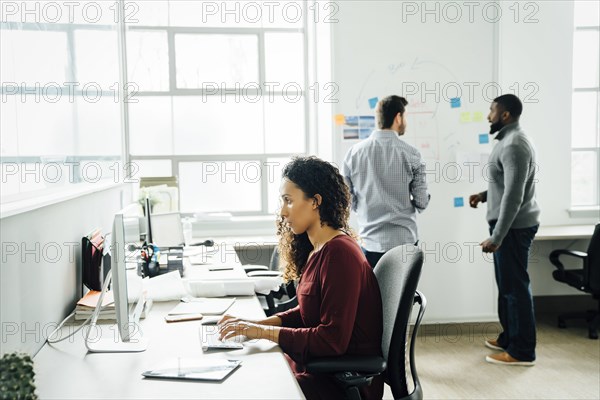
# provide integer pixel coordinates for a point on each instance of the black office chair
(586, 279)
(277, 300)
(398, 274)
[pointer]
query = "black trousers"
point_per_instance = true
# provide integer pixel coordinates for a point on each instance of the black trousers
(373, 257)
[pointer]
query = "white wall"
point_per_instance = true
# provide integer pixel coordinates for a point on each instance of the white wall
(41, 281)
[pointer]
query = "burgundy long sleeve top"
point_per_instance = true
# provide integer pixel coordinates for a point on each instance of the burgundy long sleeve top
(339, 307)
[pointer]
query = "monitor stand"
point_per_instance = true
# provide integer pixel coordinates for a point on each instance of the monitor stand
(115, 344)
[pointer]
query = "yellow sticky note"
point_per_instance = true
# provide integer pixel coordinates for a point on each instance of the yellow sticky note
(477, 116)
(340, 119)
(465, 117)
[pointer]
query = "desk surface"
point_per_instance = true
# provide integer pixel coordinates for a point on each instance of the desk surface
(67, 371)
(564, 232)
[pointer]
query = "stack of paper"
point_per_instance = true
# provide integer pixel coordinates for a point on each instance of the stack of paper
(85, 307)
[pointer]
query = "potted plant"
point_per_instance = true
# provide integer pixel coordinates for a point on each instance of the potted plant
(17, 377)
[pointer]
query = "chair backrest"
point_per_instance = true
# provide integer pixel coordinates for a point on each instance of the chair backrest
(274, 262)
(593, 261)
(398, 273)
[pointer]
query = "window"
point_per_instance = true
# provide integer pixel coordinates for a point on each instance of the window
(585, 132)
(220, 98)
(60, 123)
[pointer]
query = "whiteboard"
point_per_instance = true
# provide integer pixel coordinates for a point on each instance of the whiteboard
(377, 54)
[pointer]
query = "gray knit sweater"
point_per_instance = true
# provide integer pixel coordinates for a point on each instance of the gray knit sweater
(511, 183)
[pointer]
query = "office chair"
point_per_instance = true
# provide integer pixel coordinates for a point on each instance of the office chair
(273, 299)
(398, 274)
(586, 280)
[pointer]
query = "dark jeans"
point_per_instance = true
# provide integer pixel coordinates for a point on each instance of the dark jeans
(515, 303)
(373, 257)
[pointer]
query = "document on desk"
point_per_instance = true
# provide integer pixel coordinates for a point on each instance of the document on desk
(198, 370)
(202, 306)
(221, 288)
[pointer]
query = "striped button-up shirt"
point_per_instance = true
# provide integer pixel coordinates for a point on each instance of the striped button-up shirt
(387, 182)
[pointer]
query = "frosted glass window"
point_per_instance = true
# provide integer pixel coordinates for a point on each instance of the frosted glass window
(217, 14)
(215, 125)
(585, 59)
(151, 168)
(585, 129)
(222, 60)
(148, 60)
(150, 131)
(284, 59)
(96, 59)
(273, 171)
(23, 53)
(584, 176)
(587, 13)
(99, 127)
(284, 125)
(50, 132)
(214, 186)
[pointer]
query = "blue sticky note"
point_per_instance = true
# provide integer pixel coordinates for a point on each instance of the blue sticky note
(459, 202)
(373, 102)
(455, 102)
(484, 138)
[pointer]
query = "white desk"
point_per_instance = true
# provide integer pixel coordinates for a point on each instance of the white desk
(66, 371)
(564, 232)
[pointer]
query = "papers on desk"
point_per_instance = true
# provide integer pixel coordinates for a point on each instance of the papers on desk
(85, 307)
(202, 306)
(221, 288)
(266, 284)
(190, 369)
(165, 287)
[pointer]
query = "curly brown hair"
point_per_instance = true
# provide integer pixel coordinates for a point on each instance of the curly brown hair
(313, 176)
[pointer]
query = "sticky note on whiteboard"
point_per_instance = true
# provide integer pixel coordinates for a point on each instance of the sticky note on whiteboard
(484, 138)
(459, 202)
(373, 102)
(465, 117)
(340, 119)
(477, 116)
(455, 102)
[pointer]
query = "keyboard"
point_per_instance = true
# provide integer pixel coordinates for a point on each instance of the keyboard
(209, 338)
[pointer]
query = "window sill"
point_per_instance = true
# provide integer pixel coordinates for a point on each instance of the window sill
(70, 192)
(584, 212)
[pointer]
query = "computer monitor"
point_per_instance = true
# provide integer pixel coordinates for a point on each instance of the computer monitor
(129, 335)
(167, 230)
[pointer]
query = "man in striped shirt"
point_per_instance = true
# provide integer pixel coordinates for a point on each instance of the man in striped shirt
(387, 182)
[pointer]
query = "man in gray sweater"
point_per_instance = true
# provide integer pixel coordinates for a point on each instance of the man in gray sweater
(513, 217)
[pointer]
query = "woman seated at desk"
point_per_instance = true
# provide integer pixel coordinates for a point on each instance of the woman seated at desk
(339, 309)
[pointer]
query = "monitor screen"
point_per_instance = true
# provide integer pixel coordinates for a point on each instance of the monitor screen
(167, 230)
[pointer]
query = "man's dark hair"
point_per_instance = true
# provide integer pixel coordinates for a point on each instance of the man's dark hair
(387, 109)
(510, 103)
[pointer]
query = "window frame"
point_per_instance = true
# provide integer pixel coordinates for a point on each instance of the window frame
(69, 29)
(174, 91)
(578, 208)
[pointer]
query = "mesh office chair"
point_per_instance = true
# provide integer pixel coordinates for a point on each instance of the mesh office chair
(586, 279)
(398, 274)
